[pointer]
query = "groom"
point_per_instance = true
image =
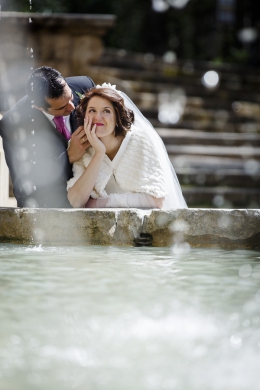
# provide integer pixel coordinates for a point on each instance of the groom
(41, 138)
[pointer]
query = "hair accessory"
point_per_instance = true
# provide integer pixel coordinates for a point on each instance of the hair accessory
(106, 85)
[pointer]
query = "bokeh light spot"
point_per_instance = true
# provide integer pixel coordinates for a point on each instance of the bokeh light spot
(210, 79)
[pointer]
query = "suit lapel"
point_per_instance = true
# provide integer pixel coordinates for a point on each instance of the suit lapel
(73, 122)
(73, 119)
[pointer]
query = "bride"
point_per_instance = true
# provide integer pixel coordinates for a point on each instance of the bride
(126, 164)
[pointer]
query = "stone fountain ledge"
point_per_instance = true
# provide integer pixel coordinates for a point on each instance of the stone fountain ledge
(227, 229)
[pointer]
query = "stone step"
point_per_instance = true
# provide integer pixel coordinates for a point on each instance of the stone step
(193, 137)
(149, 100)
(184, 70)
(217, 171)
(134, 60)
(153, 82)
(243, 152)
(214, 164)
(222, 197)
(212, 127)
(221, 177)
(201, 114)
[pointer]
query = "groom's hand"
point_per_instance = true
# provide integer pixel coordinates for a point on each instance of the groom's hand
(78, 144)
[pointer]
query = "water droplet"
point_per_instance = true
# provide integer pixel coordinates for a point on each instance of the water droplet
(160, 5)
(218, 200)
(257, 296)
(178, 3)
(169, 57)
(236, 106)
(235, 341)
(210, 79)
(15, 339)
(245, 271)
(181, 248)
(234, 317)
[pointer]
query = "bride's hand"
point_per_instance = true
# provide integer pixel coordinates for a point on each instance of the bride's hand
(92, 137)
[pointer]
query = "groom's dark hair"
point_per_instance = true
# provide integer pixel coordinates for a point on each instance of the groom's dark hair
(44, 82)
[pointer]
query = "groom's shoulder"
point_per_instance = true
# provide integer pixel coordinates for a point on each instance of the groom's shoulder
(16, 116)
(81, 82)
(19, 110)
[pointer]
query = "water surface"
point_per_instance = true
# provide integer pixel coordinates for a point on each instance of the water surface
(107, 318)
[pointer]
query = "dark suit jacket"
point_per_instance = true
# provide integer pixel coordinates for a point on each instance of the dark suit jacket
(36, 153)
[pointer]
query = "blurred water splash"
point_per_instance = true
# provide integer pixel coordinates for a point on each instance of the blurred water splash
(178, 3)
(210, 79)
(247, 35)
(245, 271)
(171, 106)
(169, 57)
(252, 167)
(180, 246)
(219, 201)
(224, 221)
(16, 62)
(160, 5)
(163, 5)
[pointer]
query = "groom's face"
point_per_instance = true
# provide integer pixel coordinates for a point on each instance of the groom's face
(62, 106)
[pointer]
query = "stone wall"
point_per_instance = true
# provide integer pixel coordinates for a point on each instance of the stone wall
(67, 42)
(181, 229)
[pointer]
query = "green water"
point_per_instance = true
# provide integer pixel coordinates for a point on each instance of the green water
(106, 318)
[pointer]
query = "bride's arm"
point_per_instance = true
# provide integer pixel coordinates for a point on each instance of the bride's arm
(134, 200)
(79, 193)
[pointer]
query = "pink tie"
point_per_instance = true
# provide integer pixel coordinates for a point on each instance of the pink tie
(60, 125)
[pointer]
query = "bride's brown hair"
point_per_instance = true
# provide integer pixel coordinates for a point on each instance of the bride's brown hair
(124, 116)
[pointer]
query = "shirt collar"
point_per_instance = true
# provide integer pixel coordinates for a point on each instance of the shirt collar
(50, 117)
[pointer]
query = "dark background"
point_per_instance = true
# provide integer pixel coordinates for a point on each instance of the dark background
(204, 30)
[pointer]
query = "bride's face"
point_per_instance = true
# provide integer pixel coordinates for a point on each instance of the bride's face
(103, 115)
